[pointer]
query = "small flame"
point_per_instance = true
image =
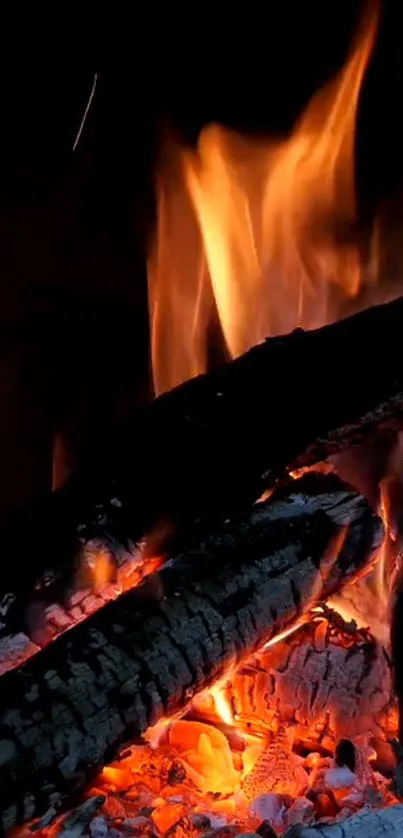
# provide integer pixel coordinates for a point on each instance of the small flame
(329, 559)
(156, 733)
(368, 601)
(391, 495)
(222, 705)
(258, 232)
(103, 569)
(283, 634)
(386, 507)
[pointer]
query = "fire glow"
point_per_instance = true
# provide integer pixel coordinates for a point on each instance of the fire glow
(260, 232)
(260, 746)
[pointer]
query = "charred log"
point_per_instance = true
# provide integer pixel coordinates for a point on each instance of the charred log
(212, 445)
(30, 622)
(67, 710)
(328, 681)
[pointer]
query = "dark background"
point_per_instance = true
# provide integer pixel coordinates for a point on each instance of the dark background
(73, 226)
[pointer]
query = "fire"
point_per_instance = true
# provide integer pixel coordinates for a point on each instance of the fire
(222, 705)
(243, 752)
(368, 601)
(103, 569)
(391, 495)
(222, 765)
(258, 233)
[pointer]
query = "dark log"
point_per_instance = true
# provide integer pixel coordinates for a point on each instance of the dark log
(212, 445)
(29, 623)
(68, 709)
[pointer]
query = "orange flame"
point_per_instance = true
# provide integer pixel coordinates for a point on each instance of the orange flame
(258, 232)
(391, 493)
(103, 569)
(222, 704)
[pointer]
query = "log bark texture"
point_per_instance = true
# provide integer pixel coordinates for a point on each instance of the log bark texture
(327, 683)
(29, 623)
(212, 445)
(68, 709)
(387, 823)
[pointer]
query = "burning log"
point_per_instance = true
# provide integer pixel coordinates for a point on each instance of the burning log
(30, 622)
(214, 444)
(366, 824)
(68, 709)
(397, 654)
(327, 681)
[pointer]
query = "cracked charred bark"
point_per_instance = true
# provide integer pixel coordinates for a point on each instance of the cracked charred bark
(212, 445)
(67, 710)
(326, 684)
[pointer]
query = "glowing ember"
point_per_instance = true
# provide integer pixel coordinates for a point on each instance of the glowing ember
(300, 731)
(222, 705)
(258, 746)
(103, 569)
(98, 582)
(275, 769)
(252, 230)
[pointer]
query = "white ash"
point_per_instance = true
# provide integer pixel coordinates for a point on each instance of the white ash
(368, 823)
(5, 603)
(217, 821)
(14, 649)
(339, 777)
(300, 811)
(361, 602)
(269, 807)
(99, 827)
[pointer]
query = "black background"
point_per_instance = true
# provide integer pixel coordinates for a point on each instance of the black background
(73, 226)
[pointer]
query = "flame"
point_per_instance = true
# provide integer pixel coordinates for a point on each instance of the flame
(368, 600)
(283, 634)
(258, 232)
(194, 772)
(391, 495)
(387, 508)
(222, 705)
(103, 569)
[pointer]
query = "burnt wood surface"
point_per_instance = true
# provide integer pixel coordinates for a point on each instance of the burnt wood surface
(68, 709)
(29, 623)
(212, 445)
(328, 680)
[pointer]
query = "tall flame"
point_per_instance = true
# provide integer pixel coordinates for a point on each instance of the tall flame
(259, 232)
